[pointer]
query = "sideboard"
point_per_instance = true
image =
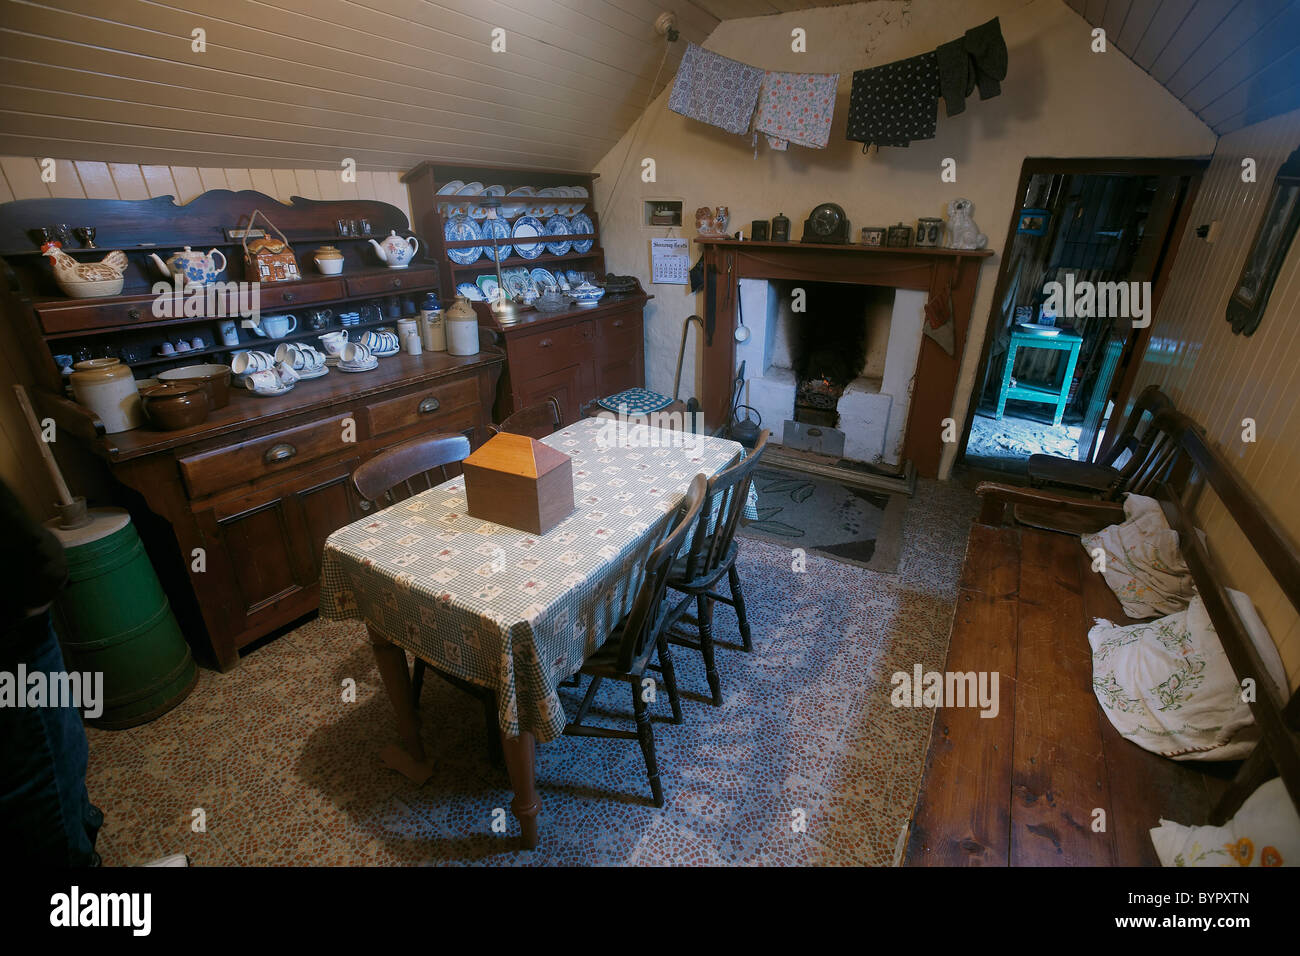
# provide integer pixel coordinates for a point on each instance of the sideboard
(247, 498)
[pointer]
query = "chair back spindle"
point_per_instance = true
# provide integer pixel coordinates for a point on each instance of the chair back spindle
(724, 502)
(535, 421)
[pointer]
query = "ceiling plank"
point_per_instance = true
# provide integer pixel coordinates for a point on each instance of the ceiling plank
(1247, 18)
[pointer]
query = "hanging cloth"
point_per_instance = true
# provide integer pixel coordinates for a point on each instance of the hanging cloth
(716, 90)
(979, 58)
(892, 105)
(796, 108)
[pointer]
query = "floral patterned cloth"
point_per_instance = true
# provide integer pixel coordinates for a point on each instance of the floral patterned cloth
(1143, 565)
(796, 108)
(1264, 832)
(716, 90)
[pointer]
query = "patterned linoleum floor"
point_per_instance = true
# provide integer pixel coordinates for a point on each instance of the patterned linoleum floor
(279, 770)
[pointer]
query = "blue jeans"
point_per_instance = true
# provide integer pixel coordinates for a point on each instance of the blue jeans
(46, 817)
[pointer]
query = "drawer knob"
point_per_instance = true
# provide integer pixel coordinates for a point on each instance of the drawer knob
(618, 323)
(134, 315)
(290, 296)
(281, 452)
(365, 505)
(544, 344)
(397, 283)
(429, 405)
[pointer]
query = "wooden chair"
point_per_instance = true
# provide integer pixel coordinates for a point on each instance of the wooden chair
(1101, 476)
(535, 421)
(395, 475)
(712, 554)
(626, 655)
(1081, 513)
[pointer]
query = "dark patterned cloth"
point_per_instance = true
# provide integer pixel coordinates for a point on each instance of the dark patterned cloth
(716, 90)
(892, 105)
(978, 57)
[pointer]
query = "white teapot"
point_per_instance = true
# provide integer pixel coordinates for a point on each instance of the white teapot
(396, 250)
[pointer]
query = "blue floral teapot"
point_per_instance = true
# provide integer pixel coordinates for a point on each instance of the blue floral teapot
(194, 268)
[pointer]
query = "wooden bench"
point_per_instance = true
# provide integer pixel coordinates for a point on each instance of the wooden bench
(1022, 789)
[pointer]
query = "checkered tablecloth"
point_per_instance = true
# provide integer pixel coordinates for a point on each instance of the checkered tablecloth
(505, 609)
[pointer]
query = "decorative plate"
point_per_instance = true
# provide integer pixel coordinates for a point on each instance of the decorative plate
(346, 367)
(527, 227)
(516, 280)
(515, 209)
(558, 226)
(582, 224)
(470, 291)
(304, 376)
(549, 208)
(488, 286)
(458, 228)
(543, 280)
(501, 229)
(453, 187)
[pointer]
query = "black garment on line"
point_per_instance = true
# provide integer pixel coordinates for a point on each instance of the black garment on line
(978, 57)
(892, 105)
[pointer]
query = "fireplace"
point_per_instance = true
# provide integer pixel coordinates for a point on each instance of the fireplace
(906, 403)
(829, 366)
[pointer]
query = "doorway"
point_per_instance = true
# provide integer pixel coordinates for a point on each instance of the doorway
(1086, 254)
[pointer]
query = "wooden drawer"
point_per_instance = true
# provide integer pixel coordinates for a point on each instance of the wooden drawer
(543, 352)
(392, 280)
(283, 295)
(78, 314)
(430, 405)
(621, 330)
(218, 468)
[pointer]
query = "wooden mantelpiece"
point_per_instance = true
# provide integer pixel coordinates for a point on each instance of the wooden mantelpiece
(928, 270)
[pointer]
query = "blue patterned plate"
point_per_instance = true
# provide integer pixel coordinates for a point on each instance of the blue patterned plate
(516, 280)
(543, 280)
(558, 226)
(470, 291)
(527, 227)
(458, 228)
(582, 224)
(488, 285)
(501, 229)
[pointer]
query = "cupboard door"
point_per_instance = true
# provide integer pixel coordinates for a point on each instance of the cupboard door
(572, 387)
(620, 354)
(265, 548)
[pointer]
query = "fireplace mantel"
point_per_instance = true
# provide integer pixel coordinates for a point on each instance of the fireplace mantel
(728, 261)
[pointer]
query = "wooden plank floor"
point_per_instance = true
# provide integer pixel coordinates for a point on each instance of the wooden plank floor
(1023, 788)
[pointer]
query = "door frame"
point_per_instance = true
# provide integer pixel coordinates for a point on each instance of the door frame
(1135, 343)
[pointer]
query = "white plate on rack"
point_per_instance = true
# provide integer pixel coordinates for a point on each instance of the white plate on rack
(516, 209)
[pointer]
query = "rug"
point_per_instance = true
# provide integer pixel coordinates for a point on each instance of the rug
(282, 757)
(825, 517)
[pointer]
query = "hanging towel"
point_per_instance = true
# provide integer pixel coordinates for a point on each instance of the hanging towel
(716, 90)
(796, 108)
(979, 58)
(892, 105)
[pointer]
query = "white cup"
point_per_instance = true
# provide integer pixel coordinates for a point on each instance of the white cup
(285, 373)
(312, 359)
(245, 363)
(263, 381)
(334, 342)
(354, 353)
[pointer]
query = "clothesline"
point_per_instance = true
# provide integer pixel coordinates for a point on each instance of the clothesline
(889, 105)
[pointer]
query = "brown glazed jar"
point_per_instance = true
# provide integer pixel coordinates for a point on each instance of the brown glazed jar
(175, 405)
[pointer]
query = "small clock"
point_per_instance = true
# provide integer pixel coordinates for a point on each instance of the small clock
(826, 223)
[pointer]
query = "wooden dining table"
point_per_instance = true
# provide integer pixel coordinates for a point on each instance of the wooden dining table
(504, 609)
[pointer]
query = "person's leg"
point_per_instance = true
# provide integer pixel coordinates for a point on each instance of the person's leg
(46, 817)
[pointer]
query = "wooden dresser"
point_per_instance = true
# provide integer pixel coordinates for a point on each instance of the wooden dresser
(573, 356)
(247, 498)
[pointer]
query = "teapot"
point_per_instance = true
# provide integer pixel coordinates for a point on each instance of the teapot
(397, 251)
(194, 268)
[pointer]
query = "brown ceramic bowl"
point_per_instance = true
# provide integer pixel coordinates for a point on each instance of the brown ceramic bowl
(215, 380)
(175, 405)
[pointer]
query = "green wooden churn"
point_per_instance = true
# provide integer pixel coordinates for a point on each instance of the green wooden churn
(113, 617)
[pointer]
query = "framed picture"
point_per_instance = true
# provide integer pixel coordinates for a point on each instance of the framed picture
(1277, 228)
(1033, 222)
(873, 236)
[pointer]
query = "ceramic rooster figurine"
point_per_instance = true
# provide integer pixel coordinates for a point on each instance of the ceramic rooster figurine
(84, 280)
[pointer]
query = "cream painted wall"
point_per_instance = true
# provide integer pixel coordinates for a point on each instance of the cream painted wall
(20, 178)
(1219, 378)
(1059, 99)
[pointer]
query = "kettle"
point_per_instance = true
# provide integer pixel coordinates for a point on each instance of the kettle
(746, 430)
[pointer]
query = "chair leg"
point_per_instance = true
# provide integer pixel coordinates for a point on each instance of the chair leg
(670, 677)
(417, 682)
(738, 595)
(704, 607)
(645, 733)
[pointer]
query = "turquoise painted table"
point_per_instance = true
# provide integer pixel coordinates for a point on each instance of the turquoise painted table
(1061, 342)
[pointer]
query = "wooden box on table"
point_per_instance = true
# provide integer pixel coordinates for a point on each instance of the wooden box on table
(518, 482)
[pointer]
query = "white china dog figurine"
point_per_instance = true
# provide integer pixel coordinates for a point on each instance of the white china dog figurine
(962, 231)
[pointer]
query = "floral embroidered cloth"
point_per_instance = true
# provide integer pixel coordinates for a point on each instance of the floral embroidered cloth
(716, 90)
(505, 609)
(1143, 565)
(796, 108)
(1264, 832)
(1167, 686)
